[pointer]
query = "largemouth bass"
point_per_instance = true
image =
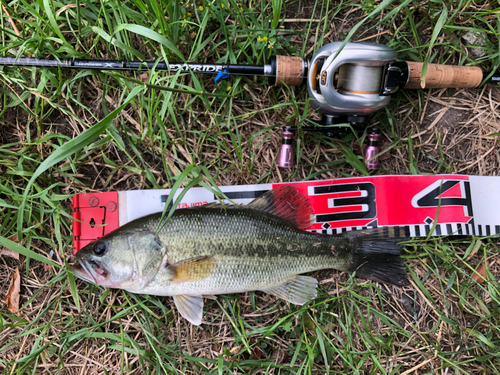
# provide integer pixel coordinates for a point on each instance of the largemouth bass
(216, 249)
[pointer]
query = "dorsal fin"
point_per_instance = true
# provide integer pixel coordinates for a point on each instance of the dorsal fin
(284, 201)
(287, 203)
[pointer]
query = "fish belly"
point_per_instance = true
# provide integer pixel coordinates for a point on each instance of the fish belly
(240, 274)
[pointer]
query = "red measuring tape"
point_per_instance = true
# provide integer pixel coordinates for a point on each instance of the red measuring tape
(416, 206)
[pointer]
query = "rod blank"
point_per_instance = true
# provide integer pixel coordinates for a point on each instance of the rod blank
(133, 65)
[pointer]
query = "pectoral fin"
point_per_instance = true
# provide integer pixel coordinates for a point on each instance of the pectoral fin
(299, 290)
(194, 269)
(190, 307)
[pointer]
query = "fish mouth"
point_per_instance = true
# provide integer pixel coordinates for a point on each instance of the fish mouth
(82, 272)
(90, 271)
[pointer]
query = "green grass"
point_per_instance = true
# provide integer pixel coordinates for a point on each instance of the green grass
(65, 132)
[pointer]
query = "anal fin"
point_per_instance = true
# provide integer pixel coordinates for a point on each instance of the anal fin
(298, 290)
(190, 307)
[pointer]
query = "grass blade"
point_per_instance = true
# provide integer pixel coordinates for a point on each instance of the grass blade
(69, 149)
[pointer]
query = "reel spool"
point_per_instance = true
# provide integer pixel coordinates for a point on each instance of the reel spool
(349, 82)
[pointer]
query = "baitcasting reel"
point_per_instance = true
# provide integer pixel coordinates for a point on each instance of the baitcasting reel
(351, 81)
(346, 86)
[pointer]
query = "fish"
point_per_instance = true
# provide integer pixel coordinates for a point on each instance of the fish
(220, 248)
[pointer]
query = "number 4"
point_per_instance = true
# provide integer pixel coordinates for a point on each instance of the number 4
(430, 196)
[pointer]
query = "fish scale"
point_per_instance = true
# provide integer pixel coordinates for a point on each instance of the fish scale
(257, 251)
(214, 249)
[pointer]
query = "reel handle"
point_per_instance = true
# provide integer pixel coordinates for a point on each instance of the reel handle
(443, 76)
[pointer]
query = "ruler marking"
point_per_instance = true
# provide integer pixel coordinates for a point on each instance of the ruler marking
(396, 232)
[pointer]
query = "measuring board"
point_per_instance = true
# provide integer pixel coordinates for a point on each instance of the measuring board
(416, 206)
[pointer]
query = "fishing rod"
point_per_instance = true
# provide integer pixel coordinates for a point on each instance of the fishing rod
(346, 83)
(222, 70)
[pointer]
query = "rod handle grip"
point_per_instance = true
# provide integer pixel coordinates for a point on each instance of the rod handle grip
(289, 70)
(443, 76)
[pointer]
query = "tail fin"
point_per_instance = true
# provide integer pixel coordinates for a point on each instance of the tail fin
(376, 256)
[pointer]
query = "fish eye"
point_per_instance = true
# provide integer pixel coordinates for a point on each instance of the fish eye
(100, 248)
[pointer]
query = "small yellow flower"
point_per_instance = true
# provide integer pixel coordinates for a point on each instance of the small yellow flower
(189, 14)
(241, 8)
(229, 88)
(259, 39)
(222, 5)
(200, 8)
(264, 39)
